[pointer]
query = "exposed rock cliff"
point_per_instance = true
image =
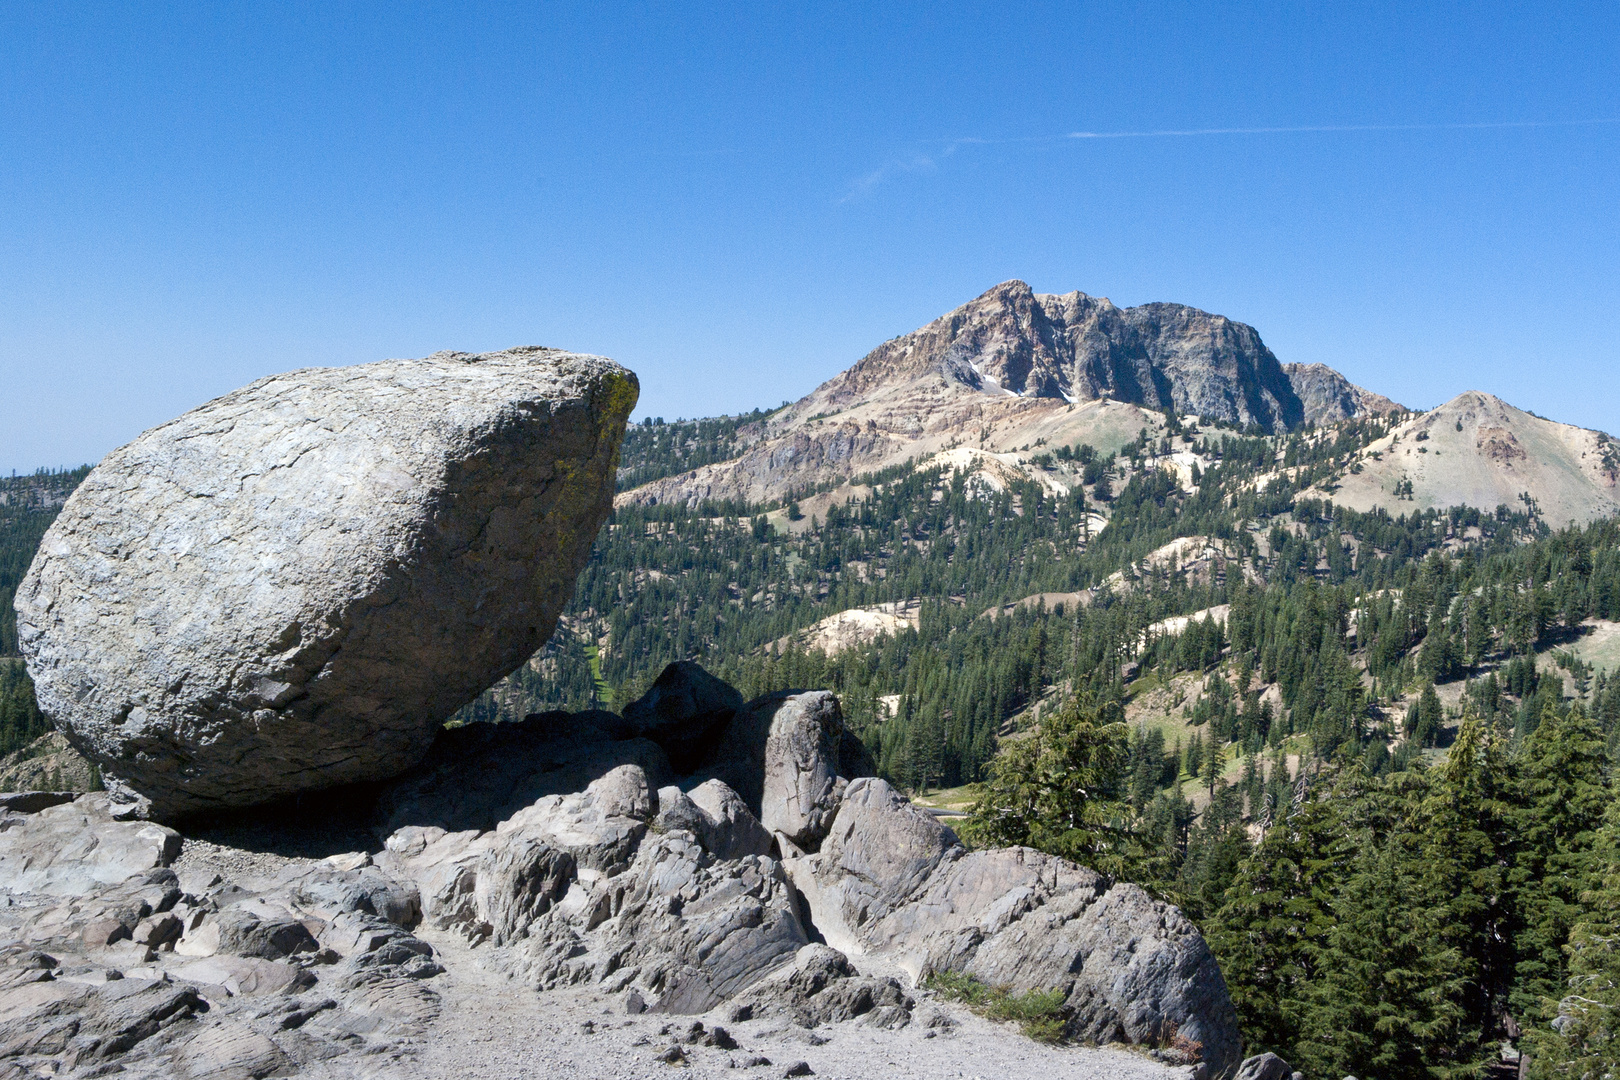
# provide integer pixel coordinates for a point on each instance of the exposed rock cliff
(1012, 367)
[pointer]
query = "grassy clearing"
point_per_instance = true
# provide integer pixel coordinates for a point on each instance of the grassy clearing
(956, 798)
(604, 692)
(1038, 1013)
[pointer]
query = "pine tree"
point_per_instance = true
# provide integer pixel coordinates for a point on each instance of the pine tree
(1583, 1040)
(1059, 790)
(1386, 1001)
(1273, 919)
(1466, 826)
(1561, 801)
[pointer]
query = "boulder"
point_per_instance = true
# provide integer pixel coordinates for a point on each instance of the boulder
(781, 754)
(729, 830)
(1265, 1066)
(683, 711)
(230, 1050)
(295, 585)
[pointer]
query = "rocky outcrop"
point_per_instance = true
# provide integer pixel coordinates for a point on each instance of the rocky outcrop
(892, 881)
(782, 755)
(1074, 347)
(1328, 397)
(111, 965)
(293, 586)
(665, 889)
(77, 848)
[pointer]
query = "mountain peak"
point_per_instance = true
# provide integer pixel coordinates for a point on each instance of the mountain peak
(1073, 347)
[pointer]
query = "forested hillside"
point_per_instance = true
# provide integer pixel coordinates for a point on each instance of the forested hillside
(28, 505)
(654, 449)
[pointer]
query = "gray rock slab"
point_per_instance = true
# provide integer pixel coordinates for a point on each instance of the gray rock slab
(294, 585)
(891, 881)
(77, 848)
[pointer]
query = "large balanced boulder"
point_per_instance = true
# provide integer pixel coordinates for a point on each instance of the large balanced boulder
(293, 586)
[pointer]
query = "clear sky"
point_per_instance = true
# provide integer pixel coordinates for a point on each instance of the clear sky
(738, 201)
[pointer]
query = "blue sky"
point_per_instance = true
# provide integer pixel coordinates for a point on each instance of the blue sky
(739, 201)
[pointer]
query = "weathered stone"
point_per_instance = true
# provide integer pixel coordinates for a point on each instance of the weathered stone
(780, 753)
(825, 988)
(890, 880)
(686, 927)
(1267, 1066)
(683, 711)
(517, 882)
(104, 932)
(76, 849)
(266, 934)
(230, 1050)
(677, 811)
(730, 830)
(444, 867)
(157, 930)
(600, 827)
(202, 940)
(245, 976)
(294, 585)
(329, 892)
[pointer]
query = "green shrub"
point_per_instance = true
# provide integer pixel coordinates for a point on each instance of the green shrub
(1039, 1014)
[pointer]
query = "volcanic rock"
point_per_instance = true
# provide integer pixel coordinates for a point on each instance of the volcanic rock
(294, 585)
(682, 711)
(891, 881)
(781, 754)
(77, 848)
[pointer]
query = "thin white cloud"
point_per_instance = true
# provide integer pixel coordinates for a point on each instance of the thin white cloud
(917, 163)
(927, 163)
(1170, 132)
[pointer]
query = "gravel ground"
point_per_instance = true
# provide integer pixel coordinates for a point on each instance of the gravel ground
(492, 1027)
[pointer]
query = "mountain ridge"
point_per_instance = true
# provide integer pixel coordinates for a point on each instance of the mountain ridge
(1014, 368)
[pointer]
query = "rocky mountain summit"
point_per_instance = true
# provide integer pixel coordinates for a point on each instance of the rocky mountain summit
(566, 853)
(1477, 450)
(1012, 367)
(293, 586)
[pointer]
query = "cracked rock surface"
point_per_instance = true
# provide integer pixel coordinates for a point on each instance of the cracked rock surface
(294, 585)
